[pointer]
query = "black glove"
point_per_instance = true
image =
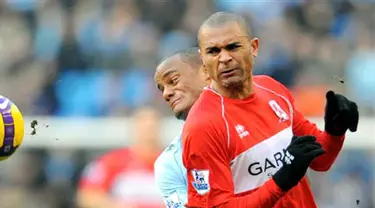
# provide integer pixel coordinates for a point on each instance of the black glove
(297, 158)
(341, 114)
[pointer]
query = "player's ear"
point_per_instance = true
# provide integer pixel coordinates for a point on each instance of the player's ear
(202, 59)
(254, 47)
(200, 53)
(203, 69)
(205, 74)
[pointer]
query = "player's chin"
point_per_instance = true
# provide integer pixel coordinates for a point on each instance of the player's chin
(232, 82)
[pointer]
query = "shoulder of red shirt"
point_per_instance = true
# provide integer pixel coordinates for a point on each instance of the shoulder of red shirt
(99, 170)
(272, 84)
(111, 158)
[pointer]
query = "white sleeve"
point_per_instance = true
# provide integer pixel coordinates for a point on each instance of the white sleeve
(170, 181)
(176, 199)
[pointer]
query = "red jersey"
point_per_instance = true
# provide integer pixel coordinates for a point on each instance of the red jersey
(125, 177)
(233, 147)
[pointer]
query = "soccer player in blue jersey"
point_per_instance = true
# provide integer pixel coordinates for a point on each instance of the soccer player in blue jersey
(181, 81)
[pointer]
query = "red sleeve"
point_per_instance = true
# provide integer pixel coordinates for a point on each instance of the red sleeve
(301, 126)
(96, 176)
(99, 174)
(331, 144)
(210, 183)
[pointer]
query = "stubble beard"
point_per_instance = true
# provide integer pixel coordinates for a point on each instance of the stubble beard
(236, 87)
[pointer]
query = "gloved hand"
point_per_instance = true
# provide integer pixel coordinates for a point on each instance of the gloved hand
(297, 158)
(341, 114)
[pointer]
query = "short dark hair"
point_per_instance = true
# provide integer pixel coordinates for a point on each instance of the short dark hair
(221, 18)
(189, 56)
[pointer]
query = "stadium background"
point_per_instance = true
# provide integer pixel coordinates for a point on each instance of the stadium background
(82, 67)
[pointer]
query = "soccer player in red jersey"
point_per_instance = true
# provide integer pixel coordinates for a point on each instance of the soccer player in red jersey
(124, 178)
(245, 144)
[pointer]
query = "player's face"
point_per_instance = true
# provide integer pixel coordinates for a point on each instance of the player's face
(180, 84)
(227, 53)
(146, 118)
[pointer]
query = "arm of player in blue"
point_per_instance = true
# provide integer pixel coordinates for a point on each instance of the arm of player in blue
(170, 175)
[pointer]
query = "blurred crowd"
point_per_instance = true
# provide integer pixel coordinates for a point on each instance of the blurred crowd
(97, 58)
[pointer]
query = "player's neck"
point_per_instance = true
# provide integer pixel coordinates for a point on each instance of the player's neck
(240, 91)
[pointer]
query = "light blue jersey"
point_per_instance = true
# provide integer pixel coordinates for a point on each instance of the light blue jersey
(170, 175)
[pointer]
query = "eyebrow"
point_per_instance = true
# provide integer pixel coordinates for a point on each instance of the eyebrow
(211, 47)
(168, 73)
(234, 43)
(231, 43)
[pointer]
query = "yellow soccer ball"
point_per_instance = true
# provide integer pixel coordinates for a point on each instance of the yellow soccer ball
(12, 128)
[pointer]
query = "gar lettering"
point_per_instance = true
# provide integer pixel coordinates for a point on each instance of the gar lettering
(272, 162)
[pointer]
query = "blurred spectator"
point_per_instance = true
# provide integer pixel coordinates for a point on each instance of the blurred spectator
(346, 183)
(322, 39)
(49, 31)
(124, 177)
(360, 71)
(164, 14)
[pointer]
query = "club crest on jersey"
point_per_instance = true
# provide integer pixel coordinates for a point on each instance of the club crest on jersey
(278, 111)
(173, 201)
(241, 131)
(200, 182)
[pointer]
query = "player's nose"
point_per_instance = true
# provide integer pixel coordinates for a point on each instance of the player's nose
(167, 94)
(225, 57)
